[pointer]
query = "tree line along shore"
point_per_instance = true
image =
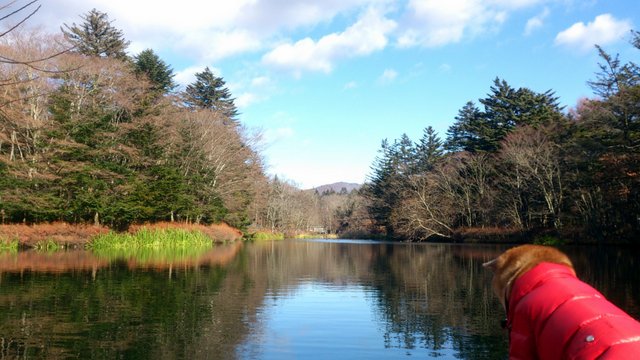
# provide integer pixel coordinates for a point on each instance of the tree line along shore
(90, 134)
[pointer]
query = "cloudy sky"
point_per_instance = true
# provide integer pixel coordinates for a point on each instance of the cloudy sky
(327, 80)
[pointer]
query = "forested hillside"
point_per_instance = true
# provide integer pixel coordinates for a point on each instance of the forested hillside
(90, 134)
(519, 162)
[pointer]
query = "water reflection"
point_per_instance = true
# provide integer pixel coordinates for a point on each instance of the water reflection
(291, 299)
(81, 260)
(425, 300)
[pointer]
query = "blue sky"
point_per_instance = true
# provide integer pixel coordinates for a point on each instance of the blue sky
(325, 81)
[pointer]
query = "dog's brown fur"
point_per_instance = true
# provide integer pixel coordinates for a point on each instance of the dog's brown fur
(518, 260)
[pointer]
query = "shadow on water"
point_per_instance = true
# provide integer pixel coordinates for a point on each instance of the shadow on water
(272, 300)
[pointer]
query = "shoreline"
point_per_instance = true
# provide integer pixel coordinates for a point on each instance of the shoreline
(62, 235)
(77, 236)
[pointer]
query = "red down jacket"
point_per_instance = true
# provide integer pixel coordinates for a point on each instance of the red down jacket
(553, 315)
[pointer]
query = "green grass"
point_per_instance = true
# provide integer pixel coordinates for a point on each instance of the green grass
(151, 239)
(265, 236)
(8, 245)
(151, 245)
(548, 240)
(48, 246)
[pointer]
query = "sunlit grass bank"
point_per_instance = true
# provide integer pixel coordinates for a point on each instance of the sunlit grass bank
(216, 232)
(152, 245)
(60, 235)
(145, 238)
(265, 236)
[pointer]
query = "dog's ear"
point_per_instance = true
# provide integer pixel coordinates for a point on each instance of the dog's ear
(491, 265)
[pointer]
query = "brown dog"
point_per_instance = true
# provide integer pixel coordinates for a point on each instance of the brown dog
(553, 315)
(518, 260)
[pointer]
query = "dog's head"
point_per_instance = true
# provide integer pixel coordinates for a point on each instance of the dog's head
(516, 261)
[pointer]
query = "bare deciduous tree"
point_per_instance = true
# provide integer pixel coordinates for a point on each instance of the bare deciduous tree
(535, 169)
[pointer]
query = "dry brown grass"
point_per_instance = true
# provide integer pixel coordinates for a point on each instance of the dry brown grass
(79, 234)
(489, 231)
(59, 232)
(490, 234)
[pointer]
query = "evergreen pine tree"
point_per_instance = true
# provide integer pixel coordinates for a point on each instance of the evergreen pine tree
(463, 134)
(380, 188)
(159, 73)
(505, 108)
(96, 36)
(404, 156)
(209, 92)
(429, 150)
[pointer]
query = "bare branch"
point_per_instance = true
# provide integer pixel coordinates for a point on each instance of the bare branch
(21, 21)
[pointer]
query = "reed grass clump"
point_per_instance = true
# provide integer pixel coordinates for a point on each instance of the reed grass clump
(8, 245)
(265, 236)
(145, 238)
(48, 246)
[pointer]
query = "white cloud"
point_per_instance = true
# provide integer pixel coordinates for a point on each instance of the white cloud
(260, 81)
(245, 99)
(433, 23)
(270, 16)
(388, 76)
(208, 31)
(536, 22)
(252, 89)
(367, 35)
(514, 4)
(605, 29)
(220, 44)
(204, 30)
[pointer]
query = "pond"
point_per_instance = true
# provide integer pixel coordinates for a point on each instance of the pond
(294, 299)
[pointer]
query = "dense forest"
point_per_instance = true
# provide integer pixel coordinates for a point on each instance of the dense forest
(91, 133)
(519, 163)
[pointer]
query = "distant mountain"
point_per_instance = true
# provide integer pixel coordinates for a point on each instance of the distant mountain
(337, 187)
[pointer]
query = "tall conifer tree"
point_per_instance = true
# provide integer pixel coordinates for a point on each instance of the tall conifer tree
(429, 150)
(159, 73)
(209, 92)
(96, 36)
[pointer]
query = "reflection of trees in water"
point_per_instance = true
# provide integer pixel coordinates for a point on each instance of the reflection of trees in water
(119, 312)
(437, 299)
(429, 296)
(426, 296)
(614, 271)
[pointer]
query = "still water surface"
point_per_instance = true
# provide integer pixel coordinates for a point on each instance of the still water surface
(320, 299)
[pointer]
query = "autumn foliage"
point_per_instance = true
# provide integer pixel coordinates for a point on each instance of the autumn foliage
(60, 232)
(78, 235)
